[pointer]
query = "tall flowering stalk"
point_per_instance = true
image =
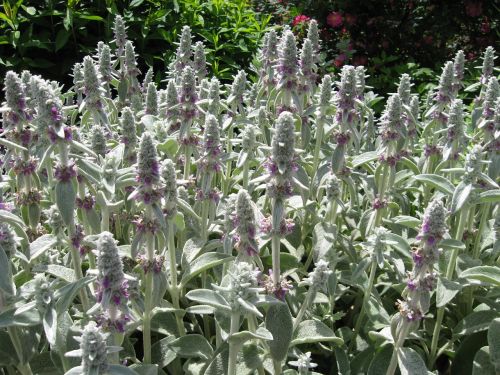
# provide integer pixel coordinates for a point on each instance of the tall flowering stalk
(422, 280)
(182, 55)
(391, 132)
(324, 102)
(187, 98)
(208, 166)
(149, 194)
(288, 69)
(281, 167)
(94, 94)
(245, 227)
(112, 290)
(455, 137)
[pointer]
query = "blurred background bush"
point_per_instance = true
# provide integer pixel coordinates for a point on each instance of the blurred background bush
(388, 36)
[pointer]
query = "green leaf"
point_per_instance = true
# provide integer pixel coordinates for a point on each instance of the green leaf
(381, 360)
(241, 337)
(65, 200)
(486, 274)
(364, 158)
(6, 285)
(65, 295)
(61, 39)
(144, 369)
(475, 322)
(410, 362)
(280, 323)
(312, 331)
(323, 239)
(482, 364)
(64, 273)
(494, 342)
(192, 346)
(161, 353)
(203, 263)
(436, 181)
(41, 245)
(8, 355)
(50, 324)
(407, 221)
(27, 318)
(209, 297)
(490, 196)
(11, 218)
(119, 370)
(460, 196)
(446, 291)
(450, 243)
(170, 147)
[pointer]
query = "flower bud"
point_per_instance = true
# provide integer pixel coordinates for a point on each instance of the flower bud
(92, 84)
(492, 93)
(303, 363)
(130, 62)
(214, 97)
(98, 141)
(313, 36)
(287, 62)
(129, 137)
(170, 178)
(8, 241)
(458, 67)
(148, 78)
(306, 62)
(93, 350)
(445, 88)
(325, 91)
(152, 100)
(105, 64)
(238, 87)
(248, 143)
(433, 224)
(171, 101)
(283, 151)
(78, 81)
(473, 164)
(391, 120)
(318, 277)
(14, 97)
(120, 32)
(360, 81)
(347, 88)
(113, 287)
(148, 170)
(183, 53)
(333, 187)
(488, 64)
(246, 227)
(200, 62)
(404, 89)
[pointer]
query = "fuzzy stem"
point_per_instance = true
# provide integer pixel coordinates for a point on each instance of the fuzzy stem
(366, 298)
(24, 368)
(174, 289)
(319, 141)
(233, 347)
(246, 167)
(276, 260)
(399, 343)
(305, 305)
(148, 300)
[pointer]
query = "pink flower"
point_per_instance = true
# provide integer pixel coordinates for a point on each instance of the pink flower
(334, 19)
(339, 60)
(350, 19)
(301, 18)
(473, 8)
(485, 26)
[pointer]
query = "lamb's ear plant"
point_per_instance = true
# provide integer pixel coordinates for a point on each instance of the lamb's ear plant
(272, 225)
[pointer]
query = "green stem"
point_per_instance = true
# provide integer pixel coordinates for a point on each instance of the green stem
(305, 305)
(205, 207)
(246, 167)
(399, 343)
(319, 141)
(276, 260)
(77, 265)
(148, 300)
(24, 368)
(174, 289)
(187, 162)
(366, 298)
(233, 347)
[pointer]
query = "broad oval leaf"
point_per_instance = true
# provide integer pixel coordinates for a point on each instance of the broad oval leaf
(311, 331)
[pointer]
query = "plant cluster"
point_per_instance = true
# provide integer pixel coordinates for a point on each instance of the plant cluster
(276, 226)
(48, 37)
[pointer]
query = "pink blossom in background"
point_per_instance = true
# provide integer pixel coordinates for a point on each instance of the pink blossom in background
(301, 18)
(340, 60)
(485, 26)
(350, 19)
(334, 19)
(473, 8)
